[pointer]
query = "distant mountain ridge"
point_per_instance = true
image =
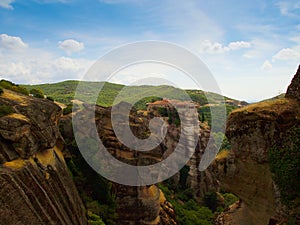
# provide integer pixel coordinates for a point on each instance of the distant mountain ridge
(64, 92)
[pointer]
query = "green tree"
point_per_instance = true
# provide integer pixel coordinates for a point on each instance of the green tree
(37, 93)
(162, 111)
(19, 89)
(68, 109)
(229, 199)
(13, 87)
(6, 84)
(184, 173)
(5, 110)
(202, 117)
(210, 200)
(94, 219)
(50, 98)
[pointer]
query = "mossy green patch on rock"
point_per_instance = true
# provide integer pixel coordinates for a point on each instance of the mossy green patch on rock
(284, 164)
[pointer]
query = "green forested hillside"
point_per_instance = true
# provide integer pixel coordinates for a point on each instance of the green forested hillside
(64, 92)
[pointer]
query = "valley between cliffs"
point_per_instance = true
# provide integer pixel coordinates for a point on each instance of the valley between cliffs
(45, 180)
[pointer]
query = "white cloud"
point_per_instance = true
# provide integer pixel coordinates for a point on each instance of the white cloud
(238, 45)
(71, 46)
(16, 69)
(67, 64)
(11, 42)
(40, 66)
(210, 47)
(286, 54)
(288, 8)
(214, 47)
(266, 66)
(6, 4)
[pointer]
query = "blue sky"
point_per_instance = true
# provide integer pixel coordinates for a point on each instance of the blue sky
(252, 48)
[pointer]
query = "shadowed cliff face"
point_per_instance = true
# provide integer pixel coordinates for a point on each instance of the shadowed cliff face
(35, 185)
(253, 131)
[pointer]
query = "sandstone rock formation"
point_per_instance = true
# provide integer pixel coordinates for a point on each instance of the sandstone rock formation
(135, 205)
(245, 172)
(35, 184)
(145, 204)
(201, 181)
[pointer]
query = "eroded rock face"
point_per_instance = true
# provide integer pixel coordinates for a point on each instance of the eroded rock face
(201, 181)
(31, 128)
(145, 204)
(293, 90)
(135, 205)
(35, 184)
(245, 171)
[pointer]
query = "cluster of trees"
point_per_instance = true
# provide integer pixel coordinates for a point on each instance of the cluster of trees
(13, 87)
(34, 92)
(171, 113)
(5, 110)
(205, 115)
(142, 103)
(191, 212)
(188, 211)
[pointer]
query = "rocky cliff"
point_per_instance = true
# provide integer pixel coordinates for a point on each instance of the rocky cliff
(245, 171)
(145, 204)
(35, 184)
(293, 91)
(201, 181)
(135, 205)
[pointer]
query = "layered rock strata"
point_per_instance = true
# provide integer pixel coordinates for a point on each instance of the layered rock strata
(35, 184)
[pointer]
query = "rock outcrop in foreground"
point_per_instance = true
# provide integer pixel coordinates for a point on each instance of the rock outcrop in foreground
(253, 131)
(35, 184)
